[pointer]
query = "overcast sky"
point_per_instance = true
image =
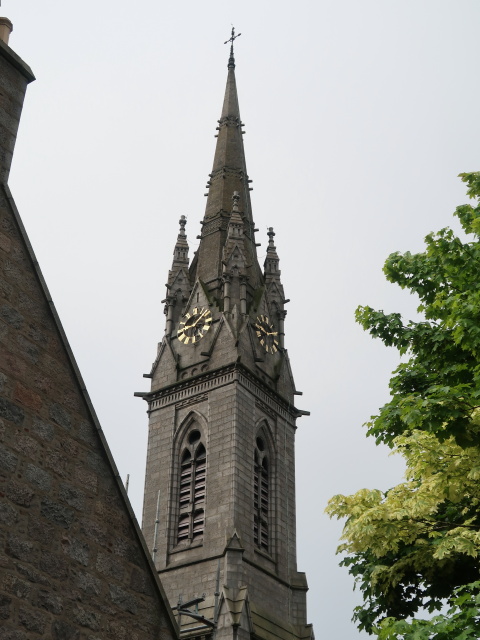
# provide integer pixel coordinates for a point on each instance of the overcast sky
(359, 116)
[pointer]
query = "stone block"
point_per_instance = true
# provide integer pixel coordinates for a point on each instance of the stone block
(54, 565)
(86, 618)
(11, 316)
(12, 412)
(59, 415)
(77, 550)
(62, 630)
(12, 585)
(49, 601)
(19, 493)
(57, 513)
(8, 461)
(72, 496)
(43, 430)
(88, 583)
(32, 620)
(5, 607)
(123, 599)
(27, 397)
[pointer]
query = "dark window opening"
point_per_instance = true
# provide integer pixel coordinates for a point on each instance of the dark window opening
(193, 467)
(260, 498)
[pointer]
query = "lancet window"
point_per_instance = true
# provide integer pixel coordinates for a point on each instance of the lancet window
(261, 496)
(193, 467)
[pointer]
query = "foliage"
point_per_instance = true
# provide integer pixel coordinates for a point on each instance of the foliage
(412, 546)
(460, 622)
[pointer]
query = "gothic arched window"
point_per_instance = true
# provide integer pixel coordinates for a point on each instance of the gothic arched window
(261, 496)
(193, 466)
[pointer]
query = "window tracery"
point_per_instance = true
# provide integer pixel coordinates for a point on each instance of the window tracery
(261, 497)
(193, 467)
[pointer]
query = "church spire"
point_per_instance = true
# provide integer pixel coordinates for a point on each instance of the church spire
(178, 285)
(229, 175)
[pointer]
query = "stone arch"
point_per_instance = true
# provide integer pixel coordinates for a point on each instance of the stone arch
(189, 472)
(263, 486)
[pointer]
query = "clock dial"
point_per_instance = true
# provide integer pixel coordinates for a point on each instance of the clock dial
(266, 334)
(195, 326)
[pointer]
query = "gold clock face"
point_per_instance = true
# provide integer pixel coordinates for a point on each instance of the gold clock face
(195, 326)
(266, 334)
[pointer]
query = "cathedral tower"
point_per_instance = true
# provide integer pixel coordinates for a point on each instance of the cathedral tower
(219, 509)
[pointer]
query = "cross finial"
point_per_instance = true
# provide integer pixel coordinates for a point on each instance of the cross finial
(233, 37)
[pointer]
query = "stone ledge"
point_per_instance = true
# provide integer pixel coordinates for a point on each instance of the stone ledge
(15, 60)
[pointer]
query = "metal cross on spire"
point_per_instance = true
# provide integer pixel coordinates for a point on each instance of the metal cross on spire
(233, 37)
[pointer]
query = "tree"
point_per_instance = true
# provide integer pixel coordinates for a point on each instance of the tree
(416, 544)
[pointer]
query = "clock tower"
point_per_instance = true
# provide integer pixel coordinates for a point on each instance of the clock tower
(219, 508)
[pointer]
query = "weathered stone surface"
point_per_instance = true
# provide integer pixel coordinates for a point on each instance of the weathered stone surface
(49, 601)
(19, 493)
(12, 634)
(8, 461)
(11, 316)
(43, 430)
(60, 415)
(57, 513)
(62, 630)
(85, 618)
(78, 550)
(123, 599)
(5, 607)
(20, 548)
(38, 477)
(88, 583)
(33, 620)
(8, 515)
(72, 496)
(12, 585)
(11, 411)
(54, 565)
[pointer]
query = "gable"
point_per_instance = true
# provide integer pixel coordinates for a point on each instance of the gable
(75, 559)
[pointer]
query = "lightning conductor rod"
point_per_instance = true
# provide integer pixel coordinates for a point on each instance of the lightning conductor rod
(155, 532)
(127, 481)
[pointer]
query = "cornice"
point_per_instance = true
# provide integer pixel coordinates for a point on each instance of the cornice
(183, 390)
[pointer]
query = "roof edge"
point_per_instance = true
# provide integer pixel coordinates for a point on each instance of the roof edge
(16, 62)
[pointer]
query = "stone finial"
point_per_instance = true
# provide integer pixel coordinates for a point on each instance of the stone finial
(271, 235)
(236, 200)
(182, 222)
(6, 28)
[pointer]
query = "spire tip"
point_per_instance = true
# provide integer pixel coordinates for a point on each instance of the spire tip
(231, 60)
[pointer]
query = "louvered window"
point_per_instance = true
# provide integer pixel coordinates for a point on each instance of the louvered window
(260, 497)
(193, 467)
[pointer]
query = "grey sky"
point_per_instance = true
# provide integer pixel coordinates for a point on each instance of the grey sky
(359, 116)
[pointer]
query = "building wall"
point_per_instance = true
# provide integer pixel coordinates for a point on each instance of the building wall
(229, 408)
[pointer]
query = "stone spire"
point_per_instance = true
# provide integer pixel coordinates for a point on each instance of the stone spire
(178, 285)
(272, 272)
(180, 253)
(229, 175)
(273, 285)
